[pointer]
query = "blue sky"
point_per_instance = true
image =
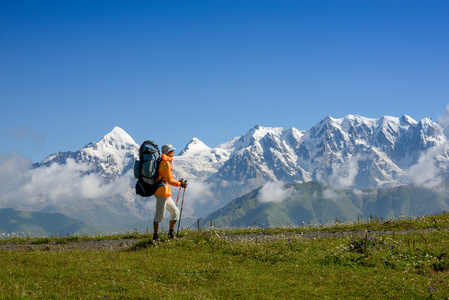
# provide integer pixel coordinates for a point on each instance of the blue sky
(70, 71)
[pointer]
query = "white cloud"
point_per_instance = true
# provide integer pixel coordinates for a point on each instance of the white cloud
(197, 193)
(25, 187)
(22, 185)
(344, 176)
(330, 194)
(444, 119)
(275, 192)
(360, 193)
(426, 172)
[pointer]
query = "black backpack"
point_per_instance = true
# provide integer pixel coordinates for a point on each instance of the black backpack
(146, 169)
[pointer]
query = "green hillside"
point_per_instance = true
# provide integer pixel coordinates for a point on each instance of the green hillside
(40, 224)
(315, 203)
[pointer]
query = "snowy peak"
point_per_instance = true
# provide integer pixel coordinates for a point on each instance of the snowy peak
(193, 147)
(112, 156)
(252, 138)
(362, 127)
(258, 132)
(427, 124)
(386, 133)
(116, 143)
(321, 127)
(431, 133)
(357, 120)
(119, 136)
(199, 161)
(406, 120)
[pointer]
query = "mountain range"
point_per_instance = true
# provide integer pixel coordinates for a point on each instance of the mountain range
(350, 153)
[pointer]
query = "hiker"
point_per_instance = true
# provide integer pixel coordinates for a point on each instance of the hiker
(163, 193)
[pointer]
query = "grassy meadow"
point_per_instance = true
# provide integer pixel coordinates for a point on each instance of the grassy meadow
(396, 259)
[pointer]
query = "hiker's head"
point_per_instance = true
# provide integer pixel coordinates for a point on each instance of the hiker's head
(167, 148)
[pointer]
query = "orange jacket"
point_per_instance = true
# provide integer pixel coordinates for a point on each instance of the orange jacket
(165, 174)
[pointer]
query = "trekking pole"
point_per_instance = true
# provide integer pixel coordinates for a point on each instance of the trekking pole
(180, 214)
(179, 192)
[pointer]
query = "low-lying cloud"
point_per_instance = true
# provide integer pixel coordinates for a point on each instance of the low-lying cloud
(28, 188)
(429, 169)
(344, 176)
(197, 194)
(331, 194)
(444, 119)
(24, 186)
(426, 172)
(275, 191)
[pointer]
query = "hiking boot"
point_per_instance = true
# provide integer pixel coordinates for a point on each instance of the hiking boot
(171, 234)
(156, 237)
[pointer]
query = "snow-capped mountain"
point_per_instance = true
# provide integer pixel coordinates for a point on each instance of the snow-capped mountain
(350, 152)
(112, 156)
(199, 161)
(106, 192)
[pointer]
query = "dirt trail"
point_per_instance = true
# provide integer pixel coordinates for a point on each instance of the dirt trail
(122, 244)
(324, 234)
(119, 244)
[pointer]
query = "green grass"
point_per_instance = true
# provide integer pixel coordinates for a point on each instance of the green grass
(209, 264)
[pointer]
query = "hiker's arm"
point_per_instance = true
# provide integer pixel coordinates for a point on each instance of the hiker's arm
(167, 175)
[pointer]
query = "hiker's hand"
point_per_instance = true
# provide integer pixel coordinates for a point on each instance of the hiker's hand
(183, 183)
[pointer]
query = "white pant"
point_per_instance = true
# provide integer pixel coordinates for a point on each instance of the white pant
(163, 203)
